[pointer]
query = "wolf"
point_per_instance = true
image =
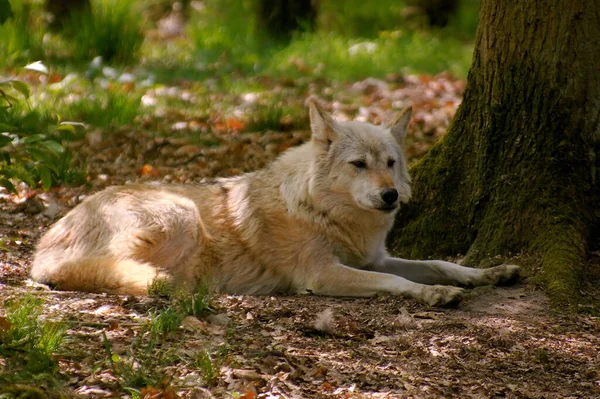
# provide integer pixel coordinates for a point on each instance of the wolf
(314, 222)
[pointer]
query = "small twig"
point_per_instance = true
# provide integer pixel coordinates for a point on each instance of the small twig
(187, 161)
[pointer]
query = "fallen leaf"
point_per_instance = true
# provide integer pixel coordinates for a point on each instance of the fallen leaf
(148, 170)
(234, 124)
(327, 387)
(113, 325)
(150, 392)
(5, 325)
(55, 78)
(249, 375)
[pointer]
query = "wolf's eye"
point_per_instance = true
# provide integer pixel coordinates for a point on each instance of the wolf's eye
(360, 164)
(391, 163)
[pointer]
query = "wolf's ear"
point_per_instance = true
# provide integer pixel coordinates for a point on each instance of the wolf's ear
(322, 125)
(399, 125)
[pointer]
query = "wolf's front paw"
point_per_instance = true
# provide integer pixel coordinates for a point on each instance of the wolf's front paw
(442, 295)
(502, 275)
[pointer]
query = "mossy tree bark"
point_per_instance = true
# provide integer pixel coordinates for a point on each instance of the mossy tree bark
(517, 170)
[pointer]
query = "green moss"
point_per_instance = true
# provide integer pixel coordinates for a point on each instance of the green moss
(437, 221)
(563, 260)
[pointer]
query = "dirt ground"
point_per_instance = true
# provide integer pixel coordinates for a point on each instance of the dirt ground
(499, 343)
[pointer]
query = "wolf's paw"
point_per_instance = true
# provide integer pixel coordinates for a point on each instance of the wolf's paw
(502, 275)
(442, 295)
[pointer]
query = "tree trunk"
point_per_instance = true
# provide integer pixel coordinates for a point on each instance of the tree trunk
(438, 12)
(60, 10)
(517, 172)
(282, 17)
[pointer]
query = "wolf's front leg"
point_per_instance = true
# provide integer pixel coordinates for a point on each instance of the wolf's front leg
(341, 280)
(446, 273)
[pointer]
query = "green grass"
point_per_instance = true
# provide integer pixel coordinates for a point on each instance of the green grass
(21, 36)
(355, 40)
(29, 345)
(339, 58)
(225, 36)
(31, 142)
(109, 108)
(143, 364)
(140, 366)
(165, 321)
(358, 18)
(209, 362)
(196, 303)
(112, 30)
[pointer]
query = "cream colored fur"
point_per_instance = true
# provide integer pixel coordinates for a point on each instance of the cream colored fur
(314, 221)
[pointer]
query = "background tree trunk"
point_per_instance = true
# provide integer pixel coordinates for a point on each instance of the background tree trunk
(517, 171)
(282, 17)
(438, 12)
(62, 9)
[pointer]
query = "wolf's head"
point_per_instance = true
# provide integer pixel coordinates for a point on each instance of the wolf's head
(361, 162)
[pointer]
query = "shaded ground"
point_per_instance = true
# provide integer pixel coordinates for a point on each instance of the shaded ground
(500, 342)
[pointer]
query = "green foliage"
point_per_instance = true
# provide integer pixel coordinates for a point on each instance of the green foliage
(112, 29)
(357, 18)
(5, 11)
(463, 24)
(165, 321)
(209, 363)
(32, 142)
(225, 34)
(139, 366)
(182, 302)
(196, 303)
(340, 58)
(161, 288)
(29, 343)
(355, 39)
(21, 36)
(107, 108)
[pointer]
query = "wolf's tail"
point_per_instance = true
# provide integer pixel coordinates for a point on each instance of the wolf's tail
(96, 274)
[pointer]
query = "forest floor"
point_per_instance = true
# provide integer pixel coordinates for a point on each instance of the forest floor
(498, 343)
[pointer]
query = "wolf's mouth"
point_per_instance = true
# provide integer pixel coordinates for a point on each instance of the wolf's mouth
(388, 208)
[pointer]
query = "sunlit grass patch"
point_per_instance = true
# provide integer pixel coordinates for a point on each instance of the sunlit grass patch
(20, 36)
(354, 40)
(32, 141)
(112, 29)
(209, 363)
(29, 345)
(142, 365)
(226, 37)
(111, 107)
(336, 57)
(197, 303)
(275, 117)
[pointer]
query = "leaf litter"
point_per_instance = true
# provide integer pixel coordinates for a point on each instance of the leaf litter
(500, 342)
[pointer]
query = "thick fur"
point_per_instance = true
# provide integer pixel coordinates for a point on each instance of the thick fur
(314, 221)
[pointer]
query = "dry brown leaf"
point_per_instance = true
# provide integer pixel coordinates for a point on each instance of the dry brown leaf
(5, 325)
(148, 170)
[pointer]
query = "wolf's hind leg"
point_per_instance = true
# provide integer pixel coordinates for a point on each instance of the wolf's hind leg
(101, 274)
(447, 273)
(167, 235)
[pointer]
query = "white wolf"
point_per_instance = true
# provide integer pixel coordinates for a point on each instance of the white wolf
(314, 221)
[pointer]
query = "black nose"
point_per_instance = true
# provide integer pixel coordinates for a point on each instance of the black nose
(389, 195)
